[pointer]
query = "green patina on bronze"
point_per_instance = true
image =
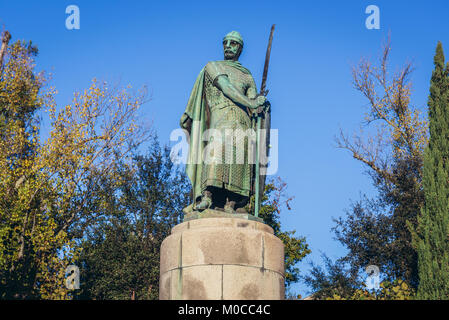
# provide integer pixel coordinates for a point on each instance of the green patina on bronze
(224, 97)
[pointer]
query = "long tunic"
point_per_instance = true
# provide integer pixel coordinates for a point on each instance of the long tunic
(210, 110)
(230, 168)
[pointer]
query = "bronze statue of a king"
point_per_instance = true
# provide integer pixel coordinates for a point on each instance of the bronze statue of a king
(221, 110)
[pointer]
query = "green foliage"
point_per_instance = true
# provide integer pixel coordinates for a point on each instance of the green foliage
(30, 241)
(397, 290)
(296, 248)
(136, 211)
(375, 233)
(333, 279)
(116, 263)
(45, 185)
(432, 234)
(79, 198)
(120, 258)
(338, 282)
(378, 231)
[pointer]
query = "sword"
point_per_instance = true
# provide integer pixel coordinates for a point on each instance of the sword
(267, 62)
(263, 92)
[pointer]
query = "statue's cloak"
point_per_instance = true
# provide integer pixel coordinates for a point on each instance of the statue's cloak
(195, 121)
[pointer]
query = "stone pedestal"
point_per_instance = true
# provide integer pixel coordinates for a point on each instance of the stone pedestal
(218, 256)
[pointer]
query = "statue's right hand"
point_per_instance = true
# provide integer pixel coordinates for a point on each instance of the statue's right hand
(258, 101)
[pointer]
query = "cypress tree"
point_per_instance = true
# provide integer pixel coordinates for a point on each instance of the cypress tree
(432, 239)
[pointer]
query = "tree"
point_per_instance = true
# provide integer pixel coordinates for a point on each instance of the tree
(120, 258)
(378, 231)
(394, 159)
(44, 185)
(26, 233)
(432, 236)
(77, 190)
(296, 248)
(396, 290)
(6, 36)
(335, 279)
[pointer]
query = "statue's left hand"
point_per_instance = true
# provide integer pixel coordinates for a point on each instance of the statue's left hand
(263, 108)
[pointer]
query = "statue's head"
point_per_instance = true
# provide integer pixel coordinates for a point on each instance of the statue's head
(232, 45)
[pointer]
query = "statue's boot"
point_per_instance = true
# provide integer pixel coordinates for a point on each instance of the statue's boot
(206, 201)
(229, 206)
(241, 210)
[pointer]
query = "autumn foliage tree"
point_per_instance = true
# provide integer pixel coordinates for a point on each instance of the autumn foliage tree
(390, 144)
(19, 211)
(44, 185)
(393, 156)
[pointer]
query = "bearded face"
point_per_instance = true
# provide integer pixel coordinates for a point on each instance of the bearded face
(232, 49)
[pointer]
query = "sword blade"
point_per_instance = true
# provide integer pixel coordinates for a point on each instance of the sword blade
(264, 93)
(267, 62)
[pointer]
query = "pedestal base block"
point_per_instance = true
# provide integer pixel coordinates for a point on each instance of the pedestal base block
(222, 258)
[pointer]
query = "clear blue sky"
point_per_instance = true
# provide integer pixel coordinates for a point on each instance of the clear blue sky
(164, 44)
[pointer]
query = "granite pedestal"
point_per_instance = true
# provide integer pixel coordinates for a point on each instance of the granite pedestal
(217, 256)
